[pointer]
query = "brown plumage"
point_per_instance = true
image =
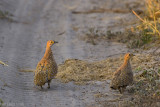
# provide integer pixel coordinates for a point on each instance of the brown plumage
(46, 68)
(123, 76)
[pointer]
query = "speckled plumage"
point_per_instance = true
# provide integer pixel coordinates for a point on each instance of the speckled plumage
(123, 76)
(46, 68)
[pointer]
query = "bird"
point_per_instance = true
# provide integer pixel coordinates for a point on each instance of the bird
(46, 68)
(123, 76)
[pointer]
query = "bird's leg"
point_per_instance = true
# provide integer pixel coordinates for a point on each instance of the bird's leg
(120, 90)
(41, 87)
(49, 84)
(123, 88)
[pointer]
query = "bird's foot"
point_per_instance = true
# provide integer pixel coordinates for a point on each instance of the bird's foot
(48, 87)
(121, 90)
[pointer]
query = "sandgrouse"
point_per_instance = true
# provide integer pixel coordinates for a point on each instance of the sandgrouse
(47, 68)
(123, 76)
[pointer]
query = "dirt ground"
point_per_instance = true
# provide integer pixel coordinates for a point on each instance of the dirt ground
(23, 40)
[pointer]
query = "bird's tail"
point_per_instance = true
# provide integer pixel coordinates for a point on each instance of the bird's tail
(112, 86)
(40, 78)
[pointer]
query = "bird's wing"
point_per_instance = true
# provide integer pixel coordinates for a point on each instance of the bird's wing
(115, 80)
(41, 73)
(40, 78)
(51, 68)
(40, 67)
(117, 73)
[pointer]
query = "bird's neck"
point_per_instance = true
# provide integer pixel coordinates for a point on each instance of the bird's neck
(48, 53)
(126, 63)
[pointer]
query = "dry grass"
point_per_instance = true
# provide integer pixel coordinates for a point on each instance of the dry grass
(26, 70)
(2, 63)
(5, 15)
(152, 17)
(101, 10)
(82, 71)
(153, 8)
(132, 39)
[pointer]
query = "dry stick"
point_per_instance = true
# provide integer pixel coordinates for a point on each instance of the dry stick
(62, 33)
(156, 49)
(3, 63)
(157, 73)
(138, 16)
(115, 54)
(100, 10)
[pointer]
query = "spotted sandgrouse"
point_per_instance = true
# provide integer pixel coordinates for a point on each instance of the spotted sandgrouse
(47, 68)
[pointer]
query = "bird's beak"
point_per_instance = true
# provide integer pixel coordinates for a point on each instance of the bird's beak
(55, 41)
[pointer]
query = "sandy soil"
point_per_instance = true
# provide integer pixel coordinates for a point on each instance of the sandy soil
(22, 44)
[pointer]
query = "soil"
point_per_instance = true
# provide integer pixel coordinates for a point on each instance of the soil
(23, 40)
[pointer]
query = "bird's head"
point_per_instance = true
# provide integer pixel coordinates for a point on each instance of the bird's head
(128, 56)
(50, 43)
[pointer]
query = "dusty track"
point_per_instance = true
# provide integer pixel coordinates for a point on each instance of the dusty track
(23, 44)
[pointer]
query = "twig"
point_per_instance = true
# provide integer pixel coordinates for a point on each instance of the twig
(3, 63)
(156, 49)
(62, 33)
(115, 54)
(157, 73)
